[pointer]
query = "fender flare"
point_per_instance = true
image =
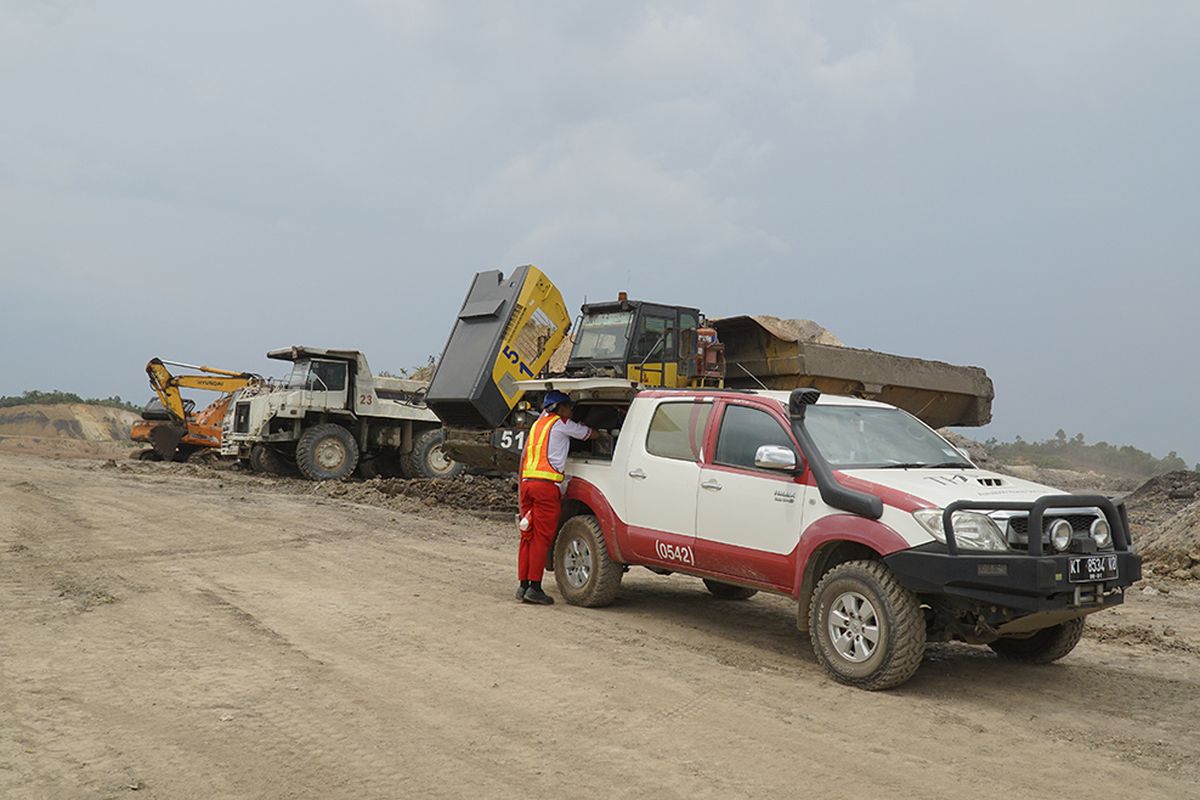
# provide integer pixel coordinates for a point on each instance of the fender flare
(589, 495)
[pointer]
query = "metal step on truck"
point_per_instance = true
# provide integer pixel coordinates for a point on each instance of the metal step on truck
(332, 417)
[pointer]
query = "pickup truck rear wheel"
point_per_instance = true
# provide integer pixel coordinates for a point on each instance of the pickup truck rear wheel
(867, 630)
(727, 591)
(428, 459)
(585, 575)
(1044, 646)
(326, 452)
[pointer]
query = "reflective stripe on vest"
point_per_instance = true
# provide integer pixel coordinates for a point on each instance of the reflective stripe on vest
(536, 461)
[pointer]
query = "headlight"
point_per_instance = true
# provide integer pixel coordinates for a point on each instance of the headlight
(972, 530)
(1060, 532)
(1101, 533)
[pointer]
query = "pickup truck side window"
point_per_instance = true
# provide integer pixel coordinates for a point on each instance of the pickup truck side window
(677, 430)
(743, 431)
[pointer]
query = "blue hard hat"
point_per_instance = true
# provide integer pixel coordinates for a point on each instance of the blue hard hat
(554, 397)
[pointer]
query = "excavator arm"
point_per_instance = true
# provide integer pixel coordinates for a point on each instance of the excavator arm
(167, 386)
(196, 431)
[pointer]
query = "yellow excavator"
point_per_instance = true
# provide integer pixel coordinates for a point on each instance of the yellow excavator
(170, 424)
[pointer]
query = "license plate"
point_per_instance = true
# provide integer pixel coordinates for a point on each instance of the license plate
(1092, 569)
(510, 439)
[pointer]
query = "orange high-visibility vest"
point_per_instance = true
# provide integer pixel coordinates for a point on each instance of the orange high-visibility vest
(536, 461)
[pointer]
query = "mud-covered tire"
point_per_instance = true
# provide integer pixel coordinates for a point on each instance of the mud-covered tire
(148, 455)
(427, 459)
(266, 461)
(1044, 646)
(727, 591)
(899, 626)
(585, 574)
(326, 452)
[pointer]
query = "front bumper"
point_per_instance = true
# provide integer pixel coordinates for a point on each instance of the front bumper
(1012, 580)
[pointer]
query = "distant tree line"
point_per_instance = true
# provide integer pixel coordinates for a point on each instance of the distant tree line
(1063, 452)
(55, 397)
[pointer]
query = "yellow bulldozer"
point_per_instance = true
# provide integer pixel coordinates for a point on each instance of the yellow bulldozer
(170, 424)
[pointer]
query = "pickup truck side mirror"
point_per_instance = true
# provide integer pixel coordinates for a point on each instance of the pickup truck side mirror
(771, 456)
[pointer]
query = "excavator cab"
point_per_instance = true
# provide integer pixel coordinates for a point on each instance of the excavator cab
(651, 343)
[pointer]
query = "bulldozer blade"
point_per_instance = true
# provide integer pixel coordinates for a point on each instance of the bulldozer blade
(166, 439)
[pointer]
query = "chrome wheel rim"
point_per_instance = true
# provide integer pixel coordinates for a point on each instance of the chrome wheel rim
(577, 563)
(329, 454)
(853, 627)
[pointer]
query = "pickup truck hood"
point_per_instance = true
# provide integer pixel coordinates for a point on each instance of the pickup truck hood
(940, 487)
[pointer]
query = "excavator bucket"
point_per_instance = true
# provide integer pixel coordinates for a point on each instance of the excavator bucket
(166, 438)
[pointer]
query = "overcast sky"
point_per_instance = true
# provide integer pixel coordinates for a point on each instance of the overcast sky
(1008, 184)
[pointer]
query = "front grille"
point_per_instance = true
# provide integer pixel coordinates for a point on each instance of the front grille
(1019, 528)
(1080, 523)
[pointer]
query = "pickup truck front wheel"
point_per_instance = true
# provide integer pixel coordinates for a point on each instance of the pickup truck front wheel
(585, 575)
(867, 630)
(1043, 647)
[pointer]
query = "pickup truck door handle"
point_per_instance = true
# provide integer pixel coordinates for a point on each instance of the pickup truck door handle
(711, 485)
(638, 473)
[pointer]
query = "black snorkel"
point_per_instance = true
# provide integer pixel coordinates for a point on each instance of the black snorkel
(832, 491)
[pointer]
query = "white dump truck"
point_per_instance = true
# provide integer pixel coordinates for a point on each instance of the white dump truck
(331, 417)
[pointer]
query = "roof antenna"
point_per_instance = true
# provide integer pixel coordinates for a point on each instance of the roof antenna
(752, 375)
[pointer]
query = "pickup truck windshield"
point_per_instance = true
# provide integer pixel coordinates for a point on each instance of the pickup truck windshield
(603, 336)
(862, 437)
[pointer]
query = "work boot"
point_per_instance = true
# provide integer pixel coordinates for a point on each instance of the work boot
(521, 590)
(536, 595)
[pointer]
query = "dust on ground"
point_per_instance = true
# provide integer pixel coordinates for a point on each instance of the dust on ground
(177, 630)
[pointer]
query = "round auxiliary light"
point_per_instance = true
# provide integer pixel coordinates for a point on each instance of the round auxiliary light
(1101, 533)
(1060, 532)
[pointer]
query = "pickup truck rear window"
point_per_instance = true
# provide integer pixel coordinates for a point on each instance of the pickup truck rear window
(677, 430)
(743, 431)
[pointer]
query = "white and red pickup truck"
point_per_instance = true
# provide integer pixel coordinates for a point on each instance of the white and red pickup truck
(885, 535)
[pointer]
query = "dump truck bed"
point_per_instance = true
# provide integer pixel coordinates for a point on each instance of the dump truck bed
(938, 393)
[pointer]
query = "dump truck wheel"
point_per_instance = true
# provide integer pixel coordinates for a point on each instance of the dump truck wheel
(149, 455)
(727, 591)
(326, 452)
(428, 459)
(1043, 647)
(585, 575)
(866, 629)
(266, 461)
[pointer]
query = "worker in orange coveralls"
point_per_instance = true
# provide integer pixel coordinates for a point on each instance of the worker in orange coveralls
(542, 464)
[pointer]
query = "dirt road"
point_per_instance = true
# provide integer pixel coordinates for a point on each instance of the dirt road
(168, 634)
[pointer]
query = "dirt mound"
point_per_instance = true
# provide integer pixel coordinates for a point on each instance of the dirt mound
(1164, 513)
(77, 421)
(469, 493)
(69, 430)
(798, 330)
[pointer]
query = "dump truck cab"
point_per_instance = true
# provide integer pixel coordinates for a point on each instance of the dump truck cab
(651, 343)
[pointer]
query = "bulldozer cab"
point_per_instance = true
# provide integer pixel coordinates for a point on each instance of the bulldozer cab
(653, 344)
